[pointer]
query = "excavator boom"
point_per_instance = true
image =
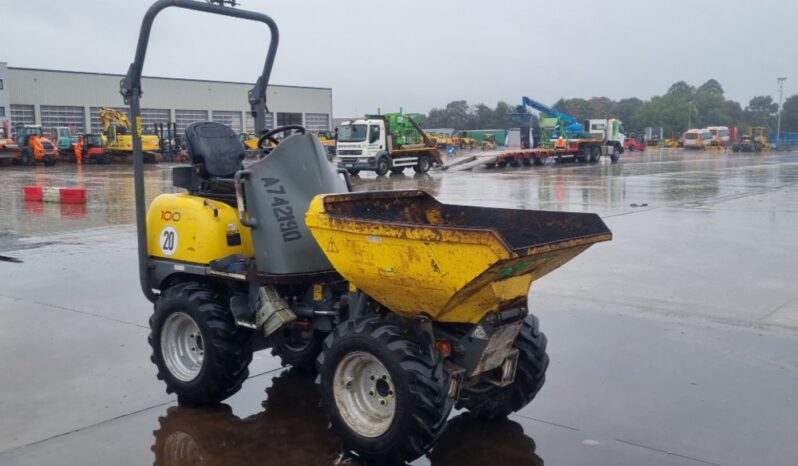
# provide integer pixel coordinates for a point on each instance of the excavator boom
(112, 115)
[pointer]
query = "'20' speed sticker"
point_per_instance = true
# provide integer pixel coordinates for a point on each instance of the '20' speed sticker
(168, 240)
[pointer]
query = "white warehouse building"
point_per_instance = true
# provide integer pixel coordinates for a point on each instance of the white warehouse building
(67, 98)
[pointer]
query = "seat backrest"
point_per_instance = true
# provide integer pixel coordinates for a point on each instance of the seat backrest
(215, 148)
(278, 193)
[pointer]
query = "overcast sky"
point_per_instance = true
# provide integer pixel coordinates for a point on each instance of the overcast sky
(419, 55)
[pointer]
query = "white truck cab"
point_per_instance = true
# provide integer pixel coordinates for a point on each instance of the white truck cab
(359, 142)
(367, 144)
(609, 130)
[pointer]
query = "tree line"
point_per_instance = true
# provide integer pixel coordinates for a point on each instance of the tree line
(680, 106)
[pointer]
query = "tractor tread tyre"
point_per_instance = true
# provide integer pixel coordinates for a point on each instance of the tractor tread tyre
(27, 157)
(422, 405)
(228, 349)
(530, 376)
(303, 360)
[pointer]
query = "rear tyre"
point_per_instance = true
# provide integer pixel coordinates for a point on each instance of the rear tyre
(27, 156)
(525, 161)
(537, 161)
(200, 353)
(423, 165)
(584, 154)
(614, 157)
(297, 346)
(385, 394)
(595, 154)
(487, 401)
(382, 166)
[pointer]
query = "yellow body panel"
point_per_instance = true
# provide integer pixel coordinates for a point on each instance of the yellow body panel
(451, 274)
(124, 143)
(184, 227)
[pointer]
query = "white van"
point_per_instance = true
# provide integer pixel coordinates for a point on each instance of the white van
(697, 139)
(720, 135)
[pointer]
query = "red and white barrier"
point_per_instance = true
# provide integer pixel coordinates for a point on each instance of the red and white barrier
(55, 194)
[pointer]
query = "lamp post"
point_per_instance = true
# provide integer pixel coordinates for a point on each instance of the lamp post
(778, 125)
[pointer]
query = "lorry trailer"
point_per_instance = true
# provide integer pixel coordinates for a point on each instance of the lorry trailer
(582, 151)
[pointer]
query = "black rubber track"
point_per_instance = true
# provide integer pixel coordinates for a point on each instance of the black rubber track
(423, 404)
(530, 376)
(228, 350)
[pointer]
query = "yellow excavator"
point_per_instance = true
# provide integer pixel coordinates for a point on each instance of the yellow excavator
(119, 140)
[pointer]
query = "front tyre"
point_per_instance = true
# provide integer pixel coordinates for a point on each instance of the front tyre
(384, 393)
(487, 401)
(200, 353)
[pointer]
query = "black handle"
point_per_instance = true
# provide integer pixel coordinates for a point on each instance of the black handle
(347, 178)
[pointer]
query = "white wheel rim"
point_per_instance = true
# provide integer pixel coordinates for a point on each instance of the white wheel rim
(364, 394)
(182, 347)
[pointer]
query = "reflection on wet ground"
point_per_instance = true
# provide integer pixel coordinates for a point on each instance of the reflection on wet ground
(674, 344)
(292, 430)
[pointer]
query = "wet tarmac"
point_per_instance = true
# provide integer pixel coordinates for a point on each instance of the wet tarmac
(674, 344)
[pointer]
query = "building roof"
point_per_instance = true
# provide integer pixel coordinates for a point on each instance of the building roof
(163, 77)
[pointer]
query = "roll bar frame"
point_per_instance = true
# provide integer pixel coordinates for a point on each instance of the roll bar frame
(130, 88)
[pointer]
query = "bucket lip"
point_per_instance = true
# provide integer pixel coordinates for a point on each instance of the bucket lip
(410, 193)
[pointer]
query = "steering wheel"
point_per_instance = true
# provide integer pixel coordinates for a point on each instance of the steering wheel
(269, 135)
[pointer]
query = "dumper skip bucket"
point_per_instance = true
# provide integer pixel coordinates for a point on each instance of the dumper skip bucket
(454, 263)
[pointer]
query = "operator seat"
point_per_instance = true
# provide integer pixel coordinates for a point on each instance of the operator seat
(215, 149)
(216, 155)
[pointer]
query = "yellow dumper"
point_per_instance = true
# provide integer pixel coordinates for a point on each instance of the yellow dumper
(404, 306)
(452, 263)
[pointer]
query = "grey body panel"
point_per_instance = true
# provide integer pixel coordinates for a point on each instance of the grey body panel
(278, 192)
